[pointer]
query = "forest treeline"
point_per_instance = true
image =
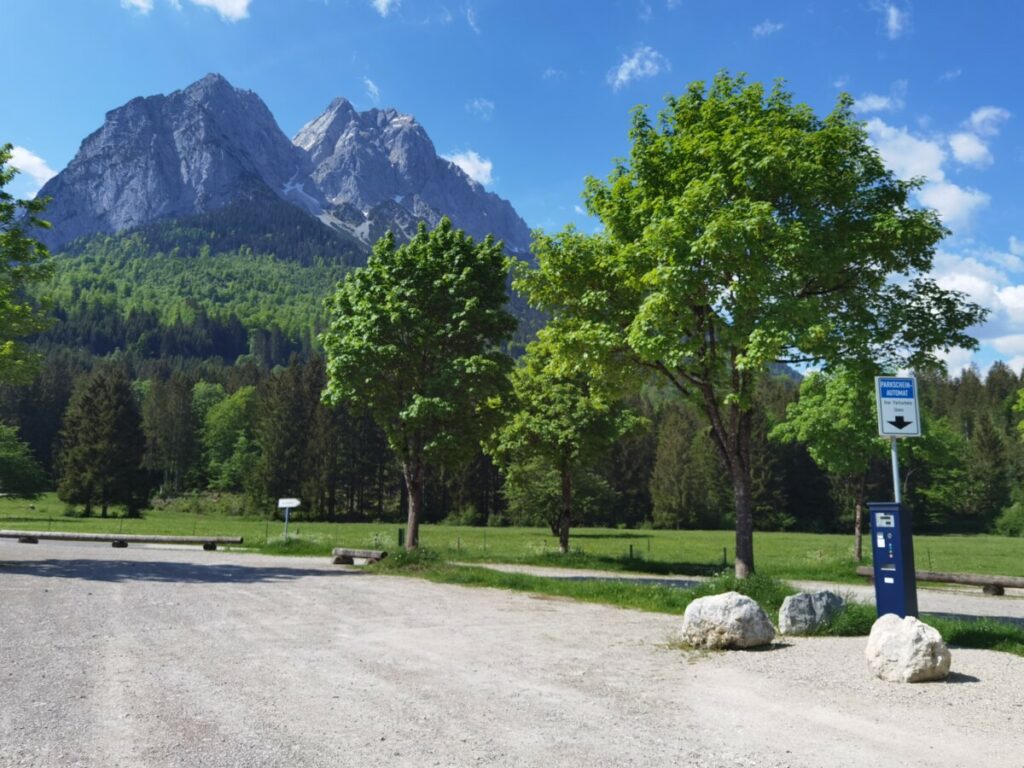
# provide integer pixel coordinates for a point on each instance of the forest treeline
(259, 430)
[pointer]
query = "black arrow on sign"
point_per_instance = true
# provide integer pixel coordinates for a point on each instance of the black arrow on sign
(899, 422)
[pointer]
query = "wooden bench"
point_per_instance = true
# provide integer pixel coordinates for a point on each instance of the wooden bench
(119, 540)
(991, 585)
(346, 556)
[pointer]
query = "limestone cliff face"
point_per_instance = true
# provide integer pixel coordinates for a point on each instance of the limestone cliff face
(374, 159)
(211, 144)
(189, 152)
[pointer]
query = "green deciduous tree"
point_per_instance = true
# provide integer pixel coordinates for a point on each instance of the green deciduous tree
(20, 473)
(23, 260)
(102, 445)
(561, 418)
(743, 231)
(415, 341)
(835, 419)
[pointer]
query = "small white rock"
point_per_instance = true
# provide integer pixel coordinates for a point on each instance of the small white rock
(729, 620)
(906, 651)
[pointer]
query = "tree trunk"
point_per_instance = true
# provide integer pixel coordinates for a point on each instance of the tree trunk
(413, 472)
(744, 505)
(858, 518)
(565, 515)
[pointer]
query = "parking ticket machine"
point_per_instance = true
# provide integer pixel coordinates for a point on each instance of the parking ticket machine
(892, 549)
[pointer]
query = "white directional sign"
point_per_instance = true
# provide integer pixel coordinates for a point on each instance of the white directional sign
(898, 414)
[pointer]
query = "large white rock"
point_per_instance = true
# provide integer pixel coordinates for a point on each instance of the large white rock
(803, 613)
(906, 651)
(730, 620)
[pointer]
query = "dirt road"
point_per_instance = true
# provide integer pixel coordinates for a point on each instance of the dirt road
(147, 657)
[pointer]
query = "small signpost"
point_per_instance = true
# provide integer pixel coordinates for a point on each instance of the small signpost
(287, 505)
(893, 553)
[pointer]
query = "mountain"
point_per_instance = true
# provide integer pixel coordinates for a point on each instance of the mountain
(382, 163)
(192, 151)
(212, 145)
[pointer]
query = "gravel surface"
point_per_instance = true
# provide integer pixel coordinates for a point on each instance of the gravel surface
(153, 657)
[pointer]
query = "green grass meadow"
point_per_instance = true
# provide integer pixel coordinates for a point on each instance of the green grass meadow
(782, 555)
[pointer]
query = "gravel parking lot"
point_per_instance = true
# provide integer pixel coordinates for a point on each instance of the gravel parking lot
(161, 657)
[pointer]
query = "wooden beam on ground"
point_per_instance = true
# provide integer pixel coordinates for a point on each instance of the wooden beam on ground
(993, 585)
(119, 540)
(346, 556)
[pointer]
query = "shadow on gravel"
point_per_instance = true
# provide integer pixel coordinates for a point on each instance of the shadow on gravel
(130, 570)
(957, 678)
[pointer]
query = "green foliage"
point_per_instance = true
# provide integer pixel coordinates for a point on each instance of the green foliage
(102, 444)
(744, 231)
(23, 262)
(533, 490)
(227, 438)
(20, 473)
(415, 341)
(1011, 520)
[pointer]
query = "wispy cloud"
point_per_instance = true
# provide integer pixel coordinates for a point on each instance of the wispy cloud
(951, 74)
(767, 27)
(986, 120)
(32, 165)
(228, 10)
(372, 90)
(644, 62)
(894, 17)
(482, 108)
(552, 74)
(471, 19)
(479, 169)
(873, 102)
(384, 7)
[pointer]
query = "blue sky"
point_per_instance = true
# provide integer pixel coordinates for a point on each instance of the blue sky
(530, 97)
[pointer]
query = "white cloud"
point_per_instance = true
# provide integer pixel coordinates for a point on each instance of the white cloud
(767, 27)
(579, 210)
(1009, 345)
(645, 62)
(1016, 246)
(910, 156)
(482, 108)
(970, 150)
(895, 19)
(229, 10)
(372, 90)
(872, 102)
(957, 360)
(985, 120)
(31, 165)
(907, 155)
(479, 169)
(951, 74)
(956, 205)
(552, 74)
(471, 19)
(142, 6)
(384, 7)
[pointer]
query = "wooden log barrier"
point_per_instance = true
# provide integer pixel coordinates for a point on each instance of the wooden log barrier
(992, 585)
(346, 556)
(119, 540)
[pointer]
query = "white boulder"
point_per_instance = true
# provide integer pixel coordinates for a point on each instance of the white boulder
(906, 651)
(730, 620)
(802, 614)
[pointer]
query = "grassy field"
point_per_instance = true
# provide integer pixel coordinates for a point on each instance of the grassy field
(782, 555)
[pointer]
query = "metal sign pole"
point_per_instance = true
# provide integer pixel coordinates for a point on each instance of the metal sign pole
(897, 496)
